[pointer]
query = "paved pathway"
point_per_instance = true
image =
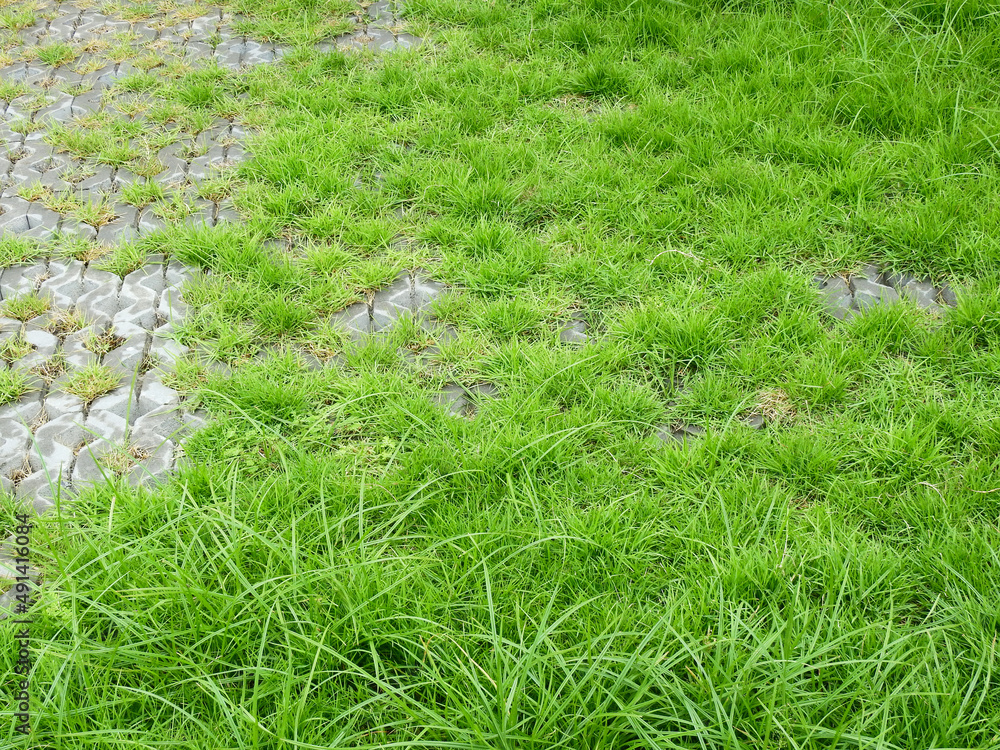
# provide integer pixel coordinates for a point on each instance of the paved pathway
(63, 67)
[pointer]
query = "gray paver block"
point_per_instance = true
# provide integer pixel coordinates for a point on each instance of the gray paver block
(837, 297)
(354, 319)
(174, 168)
(101, 180)
(101, 303)
(126, 329)
(154, 395)
(175, 274)
(155, 466)
(116, 233)
(25, 363)
(392, 302)
(872, 273)
(922, 293)
(148, 277)
(380, 12)
(476, 394)
(105, 426)
(171, 306)
(26, 409)
(227, 213)
(133, 292)
(118, 402)
(166, 352)
(39, 490)
(575, 332)
(149, 222)
(452, 397)
(406, 41)
(425, 292)
(77, 356)
(868, 293)
(897, 279)
(88, 468)
(948, 296)
(22, 279)
(680, 434)
(14, 441)
(126, 358)
(61, 404)
(56, 443)
(44, 342)
(95, 277)
(170, 421)
(65, 287)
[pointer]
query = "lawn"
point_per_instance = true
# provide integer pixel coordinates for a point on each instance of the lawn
(345, 563)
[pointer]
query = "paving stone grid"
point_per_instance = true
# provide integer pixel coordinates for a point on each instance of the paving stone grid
(845, 297)
(43, 190)
(51, 441)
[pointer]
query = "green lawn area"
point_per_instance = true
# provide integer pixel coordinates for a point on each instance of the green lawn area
(343, 563)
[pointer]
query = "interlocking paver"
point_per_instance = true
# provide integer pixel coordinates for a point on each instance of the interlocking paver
(127, 358)
(14, 441)
(575, 332)
(45, 430)
(205, 39)
(842, 297)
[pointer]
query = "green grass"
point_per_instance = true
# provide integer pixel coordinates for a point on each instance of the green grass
(24, 307)
(16, 19)
(13, 385)
(56, 54)
(15, 250)
(91, 382)
(104, 342)
(141, 194)
(64, 322)
(341, 563)
(123, 259)
(14, 347)
(10, 90)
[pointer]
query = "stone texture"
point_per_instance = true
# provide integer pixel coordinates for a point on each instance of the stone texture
(575, 332)
(837, 297)
(462, 401)
(873, 286)
(922, 293)
(354, 319)
(14, 441)
(49, 433)
(392, 302)
(452, 397)
(869, 293)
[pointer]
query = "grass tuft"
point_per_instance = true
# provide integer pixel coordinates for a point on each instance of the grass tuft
(91, 382)
(25, 307)
(13, 385)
